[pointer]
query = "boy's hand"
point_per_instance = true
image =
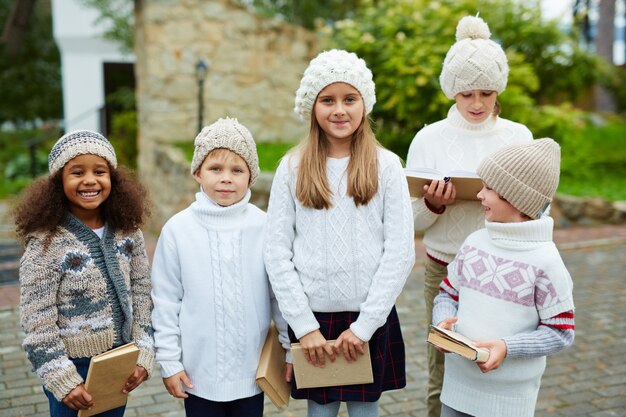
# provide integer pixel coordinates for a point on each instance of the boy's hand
(446, 324)
(78, 399)
(172, 384)
(135, 379)
(349, 344)
(288, 371)
(497, 353)
(439, 193)
(314, 345)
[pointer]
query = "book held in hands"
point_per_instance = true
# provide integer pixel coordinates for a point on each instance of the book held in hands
(270, 375)
(467, 183)
(106, 377)
(337, 373)
(456, 343)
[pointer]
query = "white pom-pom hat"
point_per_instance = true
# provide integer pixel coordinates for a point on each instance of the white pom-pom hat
(330, 67)
(474, 62)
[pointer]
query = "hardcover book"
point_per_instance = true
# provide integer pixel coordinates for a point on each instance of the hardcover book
(106, 377)
(456, 343)
(270, 375)
(467, 183)
(337, 373)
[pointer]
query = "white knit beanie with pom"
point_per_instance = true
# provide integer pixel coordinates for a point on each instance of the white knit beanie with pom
(474, 62)
(332, 67)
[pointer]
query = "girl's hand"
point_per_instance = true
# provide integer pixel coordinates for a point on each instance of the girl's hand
(288, 371)
(349, 344)
(314, 345)
(446, 324)
(78, 399)
(135, 379)
(439, 193)
(497, 353)
(172, 384)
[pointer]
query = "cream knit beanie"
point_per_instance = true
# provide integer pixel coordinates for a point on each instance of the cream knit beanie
(332, 67)
(525, 175)
(227, 134)
(80, 142)
(474, 62)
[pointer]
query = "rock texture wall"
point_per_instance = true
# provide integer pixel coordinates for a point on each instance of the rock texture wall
(255, 65)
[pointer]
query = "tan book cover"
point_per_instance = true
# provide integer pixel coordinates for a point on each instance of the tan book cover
(456, 343)
(338, 373)
(270, 376)
(467, 183)
(107, 374)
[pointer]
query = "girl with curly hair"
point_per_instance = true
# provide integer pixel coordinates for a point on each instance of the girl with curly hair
(84, 276)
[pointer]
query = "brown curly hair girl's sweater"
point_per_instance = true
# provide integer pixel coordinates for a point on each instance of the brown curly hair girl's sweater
(81, 296)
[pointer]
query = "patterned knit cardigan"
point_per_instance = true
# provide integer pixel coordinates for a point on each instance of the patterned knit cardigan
(80, 296)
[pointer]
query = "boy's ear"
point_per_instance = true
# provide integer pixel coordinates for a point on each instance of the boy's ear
(196, 176)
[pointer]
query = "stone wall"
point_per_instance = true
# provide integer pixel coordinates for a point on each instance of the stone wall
(255, 65)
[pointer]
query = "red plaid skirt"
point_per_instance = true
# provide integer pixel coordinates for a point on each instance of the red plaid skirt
(387, 355)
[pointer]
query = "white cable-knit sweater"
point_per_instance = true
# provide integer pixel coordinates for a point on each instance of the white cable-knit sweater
(455, 144)
(345, 258)
(212, 298)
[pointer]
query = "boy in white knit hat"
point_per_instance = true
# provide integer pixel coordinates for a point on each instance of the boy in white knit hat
(213, 302)
(474, 74)
(507, 288)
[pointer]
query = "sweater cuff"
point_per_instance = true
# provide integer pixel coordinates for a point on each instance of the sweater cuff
(433, 209)
(61, 385)
(361, 331)
(146, 360)
(303, 324)
(169, 368)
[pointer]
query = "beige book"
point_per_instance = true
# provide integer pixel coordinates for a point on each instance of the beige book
(337, 373)
(270, 376)
(456, 343)
(106, 377)
(467, 183)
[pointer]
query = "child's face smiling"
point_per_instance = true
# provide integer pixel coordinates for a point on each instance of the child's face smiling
(339, 111)
(224, 177)
(497, 209)
(86, 184)
(476, 105)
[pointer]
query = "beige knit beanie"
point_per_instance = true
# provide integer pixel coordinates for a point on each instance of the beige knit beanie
(332, 67)
(474, 62)
(80, 142)
(227, 134)
(525, 175)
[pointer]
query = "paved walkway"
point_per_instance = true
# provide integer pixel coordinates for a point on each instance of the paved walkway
(587, 380)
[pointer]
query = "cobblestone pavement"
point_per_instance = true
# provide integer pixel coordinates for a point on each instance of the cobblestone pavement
(587, 380)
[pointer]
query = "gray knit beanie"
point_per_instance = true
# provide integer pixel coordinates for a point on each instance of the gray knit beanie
(80, 142)
(330, 67)
(474, 62)
(226, 134)
(525, 175)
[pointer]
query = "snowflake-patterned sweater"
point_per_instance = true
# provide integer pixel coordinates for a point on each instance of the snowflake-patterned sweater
(80, 296)
(456, 144)
(345, 258)
(212, 299)
(507, 282)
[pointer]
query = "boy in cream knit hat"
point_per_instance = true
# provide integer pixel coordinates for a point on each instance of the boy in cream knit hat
(508, 289)
(213, 303)
(474, 74)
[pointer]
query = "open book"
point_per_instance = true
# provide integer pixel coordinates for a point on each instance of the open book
(270, 376)
(106, 377)
(338, 373)
(456, 343)
(467, 183)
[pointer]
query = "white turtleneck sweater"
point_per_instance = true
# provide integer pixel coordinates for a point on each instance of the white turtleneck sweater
(456, 144)
(507, 282)
(345, 258)
(212, 299)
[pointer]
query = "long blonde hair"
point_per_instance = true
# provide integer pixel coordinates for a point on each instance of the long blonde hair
(312, 188)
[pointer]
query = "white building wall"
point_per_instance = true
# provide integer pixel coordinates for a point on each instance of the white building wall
(83, 52)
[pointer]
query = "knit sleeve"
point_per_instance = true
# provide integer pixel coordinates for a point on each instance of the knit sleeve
(40, 278)
(422, 215)
(398, 255)
(281, 325)
(446, 303)
(167, 294)
(142, 303)
(551, 336)
(278, 254)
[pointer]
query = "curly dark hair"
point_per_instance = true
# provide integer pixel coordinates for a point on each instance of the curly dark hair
(43, 205)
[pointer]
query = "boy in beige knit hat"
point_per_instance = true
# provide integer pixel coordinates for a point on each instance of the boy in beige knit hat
(507, 288)
(213, 302)
(474, 74)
